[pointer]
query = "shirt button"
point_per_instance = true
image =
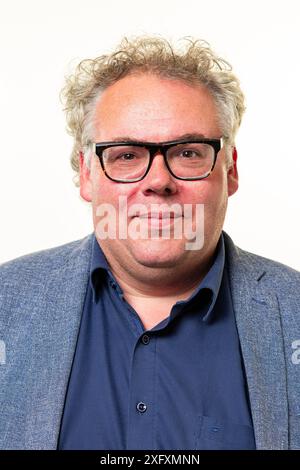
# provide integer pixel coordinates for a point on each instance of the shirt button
(215, 429)
(141, 407)
(145, 339)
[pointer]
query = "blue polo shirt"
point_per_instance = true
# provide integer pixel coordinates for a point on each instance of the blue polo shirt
(180, 385)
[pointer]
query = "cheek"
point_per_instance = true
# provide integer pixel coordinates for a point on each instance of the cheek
(212, 192)
(216, 200)
(197, 192)
(107, 191)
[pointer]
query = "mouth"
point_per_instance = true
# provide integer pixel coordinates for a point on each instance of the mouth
(159, 220)
(159, 215)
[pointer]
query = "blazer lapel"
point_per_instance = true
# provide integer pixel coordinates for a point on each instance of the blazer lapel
(260, 332)
(55, 336)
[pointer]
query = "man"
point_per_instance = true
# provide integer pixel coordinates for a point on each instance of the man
(155, 331)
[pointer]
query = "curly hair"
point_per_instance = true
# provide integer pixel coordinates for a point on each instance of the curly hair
(194, 62)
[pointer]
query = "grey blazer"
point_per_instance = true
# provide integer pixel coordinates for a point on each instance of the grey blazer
(41, 302)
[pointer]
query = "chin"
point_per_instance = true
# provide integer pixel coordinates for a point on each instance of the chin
(160, 253)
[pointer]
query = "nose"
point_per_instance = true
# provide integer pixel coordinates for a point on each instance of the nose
(159, 180)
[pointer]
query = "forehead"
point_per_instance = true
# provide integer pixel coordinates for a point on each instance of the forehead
(148, 107)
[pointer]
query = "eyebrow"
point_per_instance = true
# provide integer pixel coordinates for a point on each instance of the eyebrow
(193, 136)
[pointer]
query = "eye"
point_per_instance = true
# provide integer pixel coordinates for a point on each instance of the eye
(126, 156)
(190, 154)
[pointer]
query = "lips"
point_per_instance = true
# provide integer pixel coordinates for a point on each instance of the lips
(158, 215)
(159, 220)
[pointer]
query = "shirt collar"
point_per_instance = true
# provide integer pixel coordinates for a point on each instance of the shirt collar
(210, 284)
(99, 268)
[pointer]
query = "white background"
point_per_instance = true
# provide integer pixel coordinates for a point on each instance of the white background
(41, 42)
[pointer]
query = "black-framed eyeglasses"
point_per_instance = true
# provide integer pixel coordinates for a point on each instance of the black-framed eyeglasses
(128, 162)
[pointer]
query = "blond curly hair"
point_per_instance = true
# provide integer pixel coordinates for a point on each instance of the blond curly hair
(192, 61)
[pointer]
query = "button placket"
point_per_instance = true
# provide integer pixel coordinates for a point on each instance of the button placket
(142, 392)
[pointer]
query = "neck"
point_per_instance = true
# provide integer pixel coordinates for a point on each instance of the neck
(152, 291)
(143, 282)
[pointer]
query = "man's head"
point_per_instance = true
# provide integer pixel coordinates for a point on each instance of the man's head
(193, 62)
(149, 92)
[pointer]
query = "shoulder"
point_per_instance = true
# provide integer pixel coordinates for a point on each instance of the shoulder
(257, 280)
(270, 272)
(37, 264)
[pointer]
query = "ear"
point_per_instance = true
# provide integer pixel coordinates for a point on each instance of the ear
(232, 174)
(85, 179)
